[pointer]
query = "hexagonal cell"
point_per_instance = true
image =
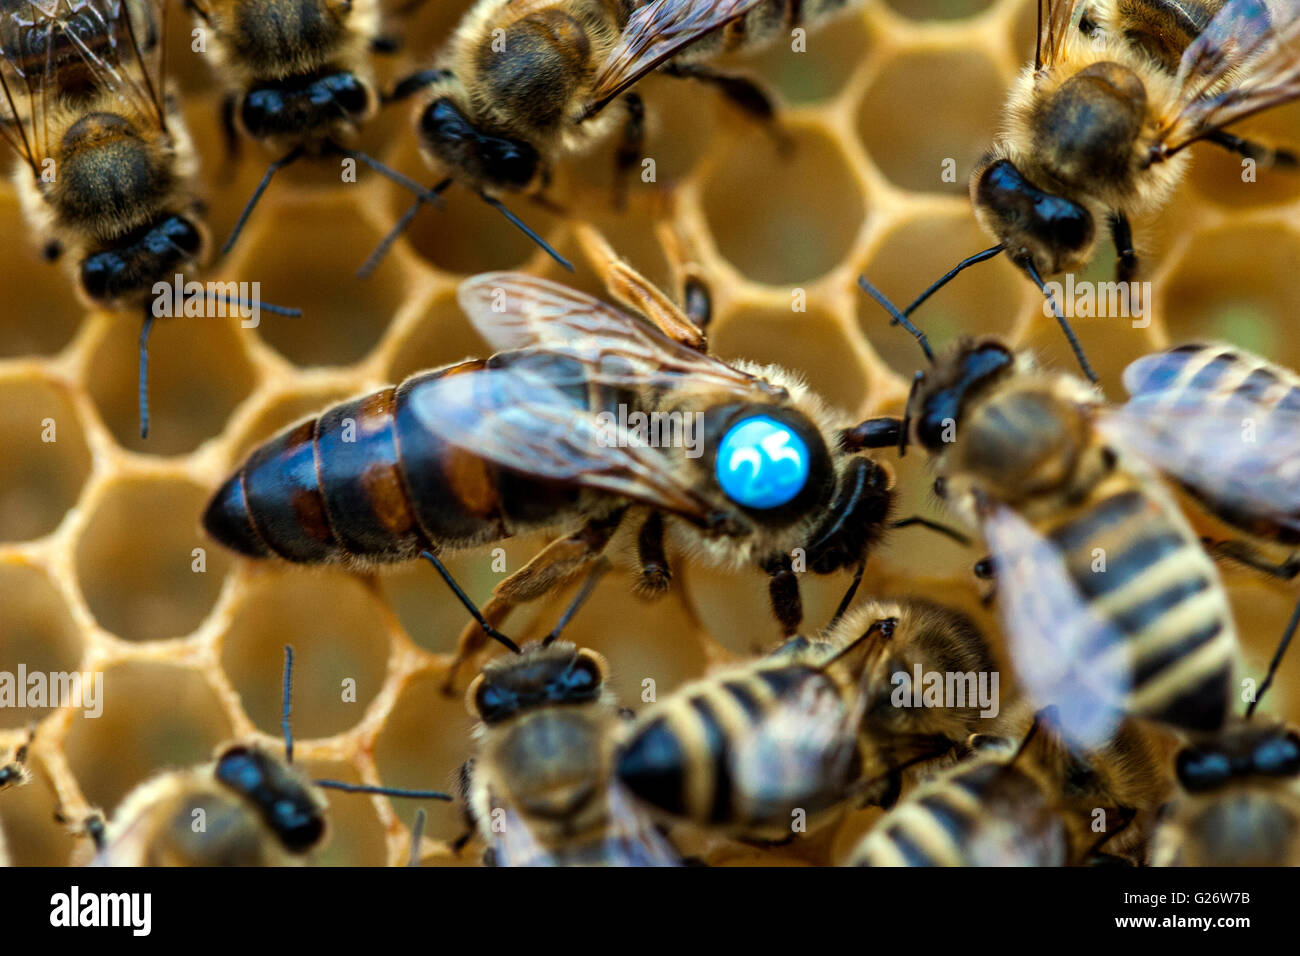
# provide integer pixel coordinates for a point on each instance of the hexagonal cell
(136, 562)
(309, 262)
(783, 219)
(430, 613)
(915, 148)
(423, 743)
(917, 550)
(356, 837)
(46, 460)
(198, 372)
(983, 300)
(939, 9)
(33, 836)
(1110, 342)
(40, 637)
(830, 52)
(336, 628)
(45, 317)
(1235, 284)
(808, 343)
(1221, 176)
(155, 717)
(443, 336)
(466, 236)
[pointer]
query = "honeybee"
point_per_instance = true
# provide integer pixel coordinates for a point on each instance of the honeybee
(1036, 804)
(298, 79)
(1240, 800)
(1225, 424)
(248, 807)
(814, 725)
(1097, 132)
(108, 169)
(520, 87)
(1109, 603)
(588, 423)
(1163, 29)
(14, 773)
(540, 788)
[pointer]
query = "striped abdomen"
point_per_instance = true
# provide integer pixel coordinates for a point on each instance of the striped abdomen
(980, 814)
(367, 480)
(1168, 626)
(1214, 380)
(715, 753)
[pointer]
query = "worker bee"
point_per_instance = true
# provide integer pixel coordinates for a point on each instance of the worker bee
(298, 79)
(1240, 799)
(520, 87)
(1163, 29)
(108, 168)
(540, 789)
(1225, 425)
(14, 772)
(1097, 132)
(588, 423)
(1039, 803)
(1109, 603)
(816, 724)
(249, 807)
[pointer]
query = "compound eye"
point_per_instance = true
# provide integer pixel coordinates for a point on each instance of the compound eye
(1202, 770)
(494, 703)
(762, 463)
(582, 680)
(1278, 756)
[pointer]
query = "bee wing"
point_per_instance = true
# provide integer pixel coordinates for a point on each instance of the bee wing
(799, 755)
(1245, 61)
(631, 838)
(1055, 20)
(512, 310)
(1242, 456)
(514, 843)
(1064, 651)
(530, 420)
(653, 34)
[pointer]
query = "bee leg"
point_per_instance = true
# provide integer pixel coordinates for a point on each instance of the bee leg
(1264, 155)
(783, 591)
(744, 93)
(697, 303)
(555, 564)
(655, 576)
(630, 147)
(1127, 260)
(1244, 553)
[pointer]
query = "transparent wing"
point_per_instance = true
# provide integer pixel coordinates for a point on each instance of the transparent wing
(532, 421)
(800, 753)
(1065, 652)
(1243, 457)
(515, 844)
(654, 33)
(631, 838)
(1055, 20)
(512, 310)
(1246, 60)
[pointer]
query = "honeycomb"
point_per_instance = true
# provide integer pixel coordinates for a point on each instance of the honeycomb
(98, 529)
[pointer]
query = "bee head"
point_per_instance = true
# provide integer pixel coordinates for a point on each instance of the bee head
(945, 390)
(542, 676)
(312, 106)
(1248, 751)
(129, 268)
(1037, 228)
(284, 800)
(484, 159)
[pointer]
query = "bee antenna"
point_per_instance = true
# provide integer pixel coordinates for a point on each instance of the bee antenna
(417, 831)
(144, 371)
(245, 304)
(898, 317)
(943, 529)
(383, 791)
(1028, 266)
(525, 229)
(406, 182)
(948, 276)
(475, 613)
(848, 596)
(579, 599)
(275, 166)
(286, 704)
(404, 223)
(1277, 659)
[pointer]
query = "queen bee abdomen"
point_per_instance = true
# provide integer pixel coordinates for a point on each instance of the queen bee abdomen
(367, 481)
